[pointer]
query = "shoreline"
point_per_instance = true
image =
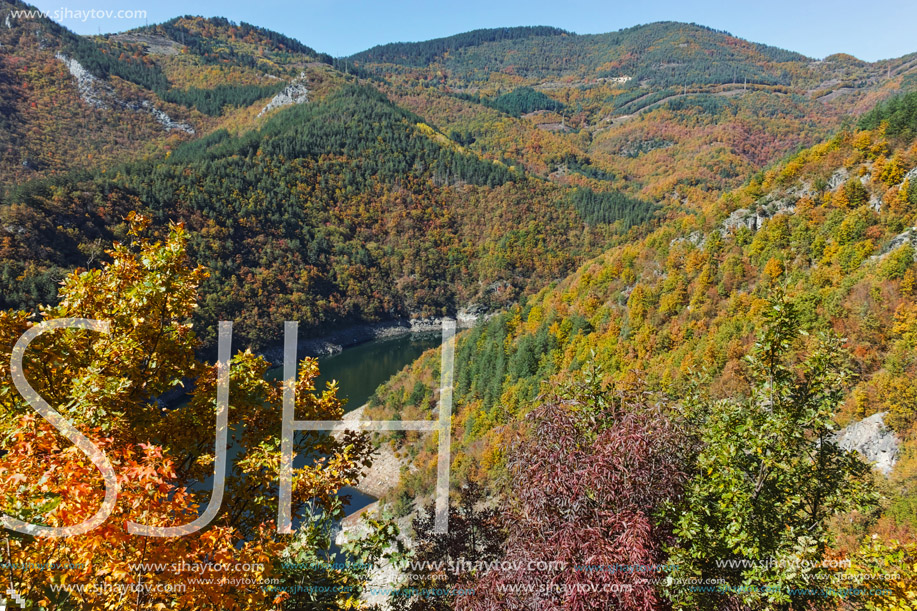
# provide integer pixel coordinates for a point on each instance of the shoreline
(385, 472)
(336, 341)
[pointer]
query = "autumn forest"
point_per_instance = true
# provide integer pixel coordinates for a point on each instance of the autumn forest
(683, 266)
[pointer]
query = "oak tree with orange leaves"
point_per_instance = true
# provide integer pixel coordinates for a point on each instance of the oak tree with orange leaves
(107, 386)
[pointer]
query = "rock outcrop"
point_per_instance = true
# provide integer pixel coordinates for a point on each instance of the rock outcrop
(380, 478)
(872, 439)
(92, 90)
(908, 236)
(754, 218)
(385, 472)
(294, 93)
(99, 94)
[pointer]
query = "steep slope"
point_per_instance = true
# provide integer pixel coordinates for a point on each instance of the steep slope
(347, 209)
(831, 227)
(59, 115)
(668, 109)
(72, 102)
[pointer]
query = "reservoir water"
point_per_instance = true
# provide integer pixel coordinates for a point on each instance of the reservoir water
(359, 371)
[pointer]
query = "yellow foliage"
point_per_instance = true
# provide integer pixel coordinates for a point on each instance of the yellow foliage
(105, 384)
(773, 269)
(889, 570)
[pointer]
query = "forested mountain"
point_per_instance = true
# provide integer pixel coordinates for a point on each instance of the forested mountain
(697, 253)
(409, 180)
(831, 227)
(668, 109)
(659, 55)
(74, 102)
(425, 53)
(666, 53)
(342, 210)
(823, 242)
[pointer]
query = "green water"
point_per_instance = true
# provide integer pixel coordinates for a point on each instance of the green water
(360, 369)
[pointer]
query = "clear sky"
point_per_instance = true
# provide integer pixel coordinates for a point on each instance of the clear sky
(871, 30)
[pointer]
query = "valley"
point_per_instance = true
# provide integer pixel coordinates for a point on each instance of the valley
(683, 265)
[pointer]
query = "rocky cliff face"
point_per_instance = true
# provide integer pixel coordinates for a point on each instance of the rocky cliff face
(98, 94)
(294, 93)
(874, 440)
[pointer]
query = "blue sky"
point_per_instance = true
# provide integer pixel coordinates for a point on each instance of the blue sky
(868, 30)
